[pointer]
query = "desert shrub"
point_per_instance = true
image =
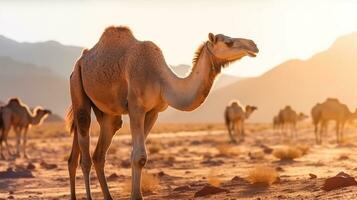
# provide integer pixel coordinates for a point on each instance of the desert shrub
(304, 148)
(149, 183)
(343, 157)
(213, 179)
(287, 153)
(227, 150)
(262, 175)
(257, 155)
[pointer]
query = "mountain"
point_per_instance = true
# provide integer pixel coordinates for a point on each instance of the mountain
(50, 54)
(33, 84)
(299, 83)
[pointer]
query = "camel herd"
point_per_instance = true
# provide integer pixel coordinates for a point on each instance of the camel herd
(285, 122)
(18, 116)
(121, 75)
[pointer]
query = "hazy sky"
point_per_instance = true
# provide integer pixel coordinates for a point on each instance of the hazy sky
(282, 29)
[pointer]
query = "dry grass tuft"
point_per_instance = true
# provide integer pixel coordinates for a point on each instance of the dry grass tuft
(262, 175)
(256, 155)
(155, 147)
(149, 183)
(304, 148)
(287, 153)
(227, 150)
(343, 156)
(213, 179)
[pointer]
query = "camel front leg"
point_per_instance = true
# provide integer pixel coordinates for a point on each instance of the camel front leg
(108, 126)
(24, 142)
(242, 131)
(231, 130)
(322, 130)
(338, 139)
(342, 130)
(18, 141)
(294, 131)
(138, 155)
(150, 119)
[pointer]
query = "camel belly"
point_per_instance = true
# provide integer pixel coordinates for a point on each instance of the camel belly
(110, 99)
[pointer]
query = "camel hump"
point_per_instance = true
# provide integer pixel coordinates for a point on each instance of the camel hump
(85, 51)
(331, 99)
(117, 33)
(235, 103)
(14, 101)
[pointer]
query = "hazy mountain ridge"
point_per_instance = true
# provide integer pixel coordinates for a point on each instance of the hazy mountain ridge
(50, 54)
(34, 85)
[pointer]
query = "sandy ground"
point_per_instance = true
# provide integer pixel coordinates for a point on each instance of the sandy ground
(190, 159)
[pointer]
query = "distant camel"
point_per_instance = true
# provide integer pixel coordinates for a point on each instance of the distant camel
(235, 115)
(17, 115)
(329, 110)
(287, 119)
(122, 75)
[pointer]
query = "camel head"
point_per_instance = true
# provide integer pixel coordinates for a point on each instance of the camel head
(353, 115)
(40, 114)
(302, 117)
(230, 49)
(249, 110)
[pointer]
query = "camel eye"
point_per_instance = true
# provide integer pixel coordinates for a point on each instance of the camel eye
(229, 43)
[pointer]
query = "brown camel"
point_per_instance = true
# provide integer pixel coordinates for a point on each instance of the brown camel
(122, 75)
(331, 109)
(286, 121)
(17, 115)
(235, 115)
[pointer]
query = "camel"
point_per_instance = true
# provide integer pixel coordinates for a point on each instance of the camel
(122, 75)
(287, 119)
(17, 115)
(235, 115)
(331, 110)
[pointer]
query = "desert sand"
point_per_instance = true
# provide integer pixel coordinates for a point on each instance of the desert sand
(182, 163)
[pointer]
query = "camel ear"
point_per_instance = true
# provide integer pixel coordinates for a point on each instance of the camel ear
(212, 37)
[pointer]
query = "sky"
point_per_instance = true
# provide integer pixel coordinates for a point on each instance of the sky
(282, 29)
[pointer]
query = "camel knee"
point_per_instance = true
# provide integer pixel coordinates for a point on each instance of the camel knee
(72, 162)
(98, 159)
(139, 158)
(83, 121)
(86, 165)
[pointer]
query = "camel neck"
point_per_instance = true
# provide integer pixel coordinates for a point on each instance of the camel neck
(188, 93)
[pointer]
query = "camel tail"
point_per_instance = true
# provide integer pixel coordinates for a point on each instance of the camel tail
(71, 126)
(226, 119)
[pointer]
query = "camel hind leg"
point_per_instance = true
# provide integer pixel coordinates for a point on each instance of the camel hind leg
(108, 126)
(81, 119)
(73, 164)
(316, 125)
